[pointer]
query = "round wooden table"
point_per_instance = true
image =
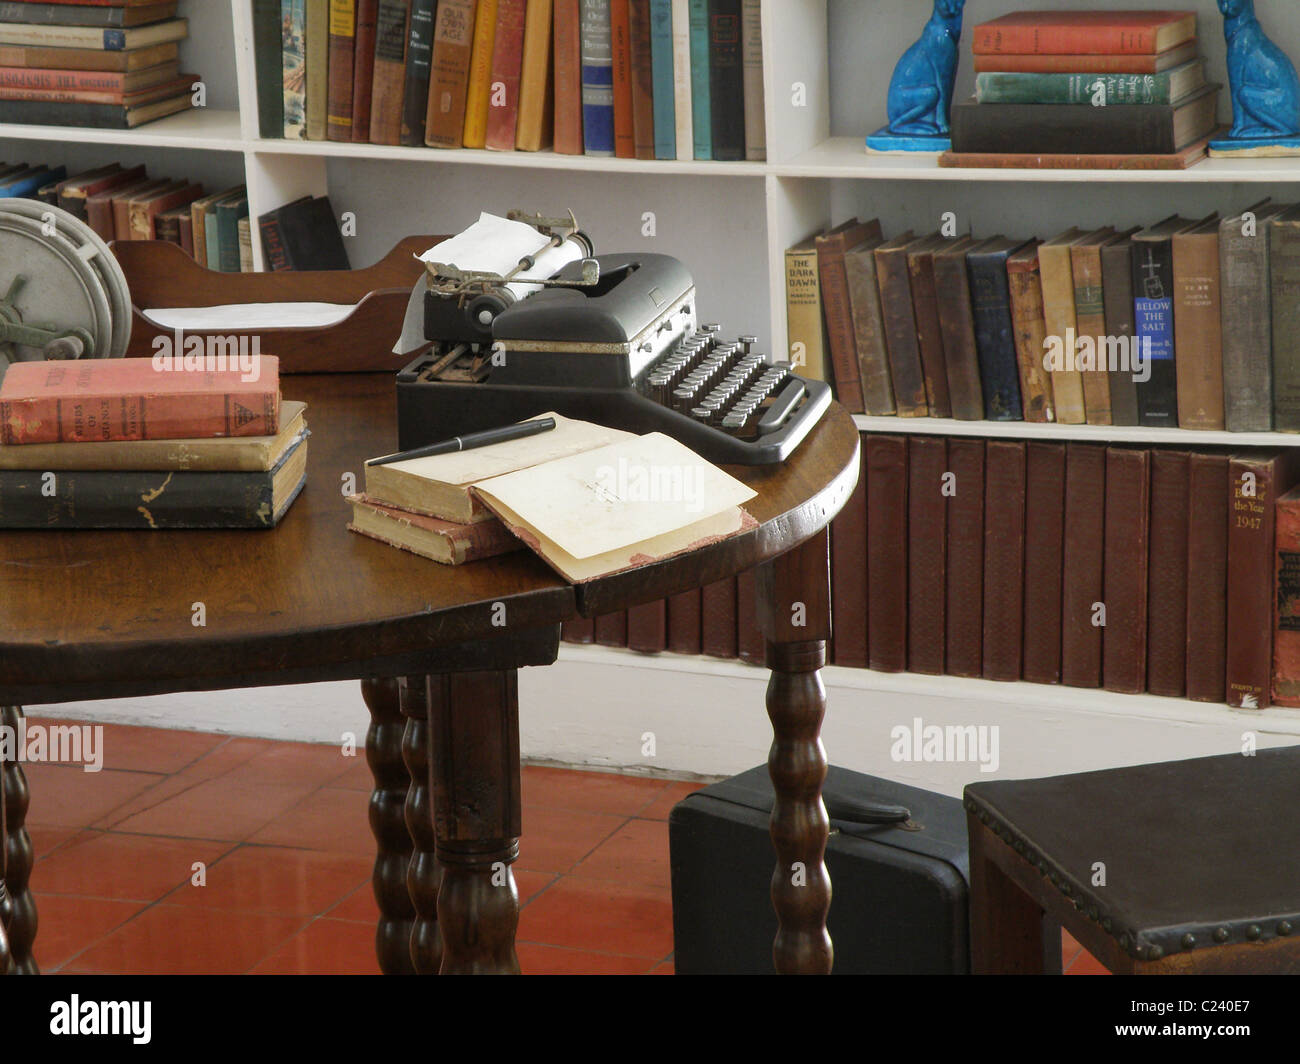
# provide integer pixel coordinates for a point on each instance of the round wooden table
(110, 614)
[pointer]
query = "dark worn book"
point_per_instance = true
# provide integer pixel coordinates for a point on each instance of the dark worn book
(268, 55)
(1124, 583)
(1117, 297)
(684, 622)
(718, 618)
(1082, 606)
(849, 577)
(1004, 558)
(1207, 576)
(1246, 318)
(363, 74)
(1167, 597)
(1090, 324)
(929, 335)
(900, 326)
(837, 310)
(229, 212)
(927, 553)
(419, 55)
(1286, 636)
(1028, 319)
(869, 328)
(579, 630)
(91, 115)
(1153, 315)
(1119, 129)
(750, 645)
(1044, 555)
(964, 610)
(90, 13)
(647, 627)
(887, 552)
(388, 84)
(303, 235)
(994, 334)
(957, 327)
(611, 629)
(726, 79)
(1284, 273)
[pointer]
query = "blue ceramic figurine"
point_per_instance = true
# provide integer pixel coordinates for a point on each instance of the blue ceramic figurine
(1265, 89)
(920, 92)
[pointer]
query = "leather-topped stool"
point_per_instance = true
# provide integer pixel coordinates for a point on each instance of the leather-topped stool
(1184, 867)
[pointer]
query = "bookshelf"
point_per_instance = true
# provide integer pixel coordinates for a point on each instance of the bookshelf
(827, 65)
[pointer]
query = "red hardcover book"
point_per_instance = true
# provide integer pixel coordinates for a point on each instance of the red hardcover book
(642, 75)
(1081, 567)
(718, 618)
(620, 25)
(964, 611)
(568, 79)
(887, 552)
(647, 627)
(927, 553)
(750, 643)
(1286, 637)
(1087, 64)
(1128, 515)
(579, 630)
(1044, 552)
(507, 62)
(611, 629)
(1084, 33)
(685, 620)
(1207, 576)
(342, 44)
(849, 577)
(836, 309)
(129, 399)
(363, 69)
(1004, 558)
(1167, 605)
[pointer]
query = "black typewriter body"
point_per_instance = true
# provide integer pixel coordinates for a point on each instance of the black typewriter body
(626, 352)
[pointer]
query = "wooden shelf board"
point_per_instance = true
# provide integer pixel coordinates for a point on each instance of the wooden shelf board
(204, 129)
(1024, 430)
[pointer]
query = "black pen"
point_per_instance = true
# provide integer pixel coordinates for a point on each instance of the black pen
(471, 440)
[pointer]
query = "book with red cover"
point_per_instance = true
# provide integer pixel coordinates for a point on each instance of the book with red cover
(642, 75)
(611, 629)
(363, 69)
(340, 63)
(1084, 33)
(718, 618)
(1207, 576)
(1286, 637)
(568, 78)
(927, 553)
(1087, 64)
(1128, 515)
(1082, 565)
(685, 621)
(647, 627)
(507, 62)
(887, 552)
(1004, 558)
(750, 643)
(964, 611)
(128, 399)
(1044, 555)
(849, 577)
(836, 308)
(620, 26)
(99, 203)
(1167, 598)
(579, 630)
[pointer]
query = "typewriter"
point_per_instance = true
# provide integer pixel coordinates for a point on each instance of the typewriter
(612, 339)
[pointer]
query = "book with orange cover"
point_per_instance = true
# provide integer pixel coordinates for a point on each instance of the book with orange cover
(536, 88)
(620, 26)
(430, 537)
(1087, 64)
(131, 399)
(453, 39)
(478, 93)
(1084, 33)
(388, 87)
(568, 78)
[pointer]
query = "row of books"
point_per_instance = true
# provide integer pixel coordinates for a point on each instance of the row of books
(1101, 88)
(102, 65)
(646, 79)
(121, 444)
(1192, 324)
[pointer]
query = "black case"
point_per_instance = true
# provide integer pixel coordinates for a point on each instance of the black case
(900, 888)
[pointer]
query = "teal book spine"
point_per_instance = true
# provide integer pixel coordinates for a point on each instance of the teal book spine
(228, 215)
(701, 114)
(1099, 90)
(661, 65)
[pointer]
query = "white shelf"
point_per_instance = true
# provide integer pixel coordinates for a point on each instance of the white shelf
(1026, 430)
(203, 129)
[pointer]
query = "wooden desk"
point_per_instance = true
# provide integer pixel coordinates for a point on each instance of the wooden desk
(110, 614)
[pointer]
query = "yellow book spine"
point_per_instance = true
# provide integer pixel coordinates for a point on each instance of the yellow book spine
(480, 75)
(533, 132)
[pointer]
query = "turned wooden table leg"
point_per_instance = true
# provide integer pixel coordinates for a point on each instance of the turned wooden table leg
(474, 718)
(422, 875)
(388, 823)
(20, 909)
(794, 613)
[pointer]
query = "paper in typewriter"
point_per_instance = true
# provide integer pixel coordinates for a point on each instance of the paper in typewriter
(618, 507)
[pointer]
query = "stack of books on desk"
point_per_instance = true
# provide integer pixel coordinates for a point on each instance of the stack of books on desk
(1086, 89)
(120, 443)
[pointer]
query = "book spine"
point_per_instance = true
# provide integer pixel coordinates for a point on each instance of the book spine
(718, 617)
(849, 575)
(1047, 129)
(1044, 555)
(1286, 636)
(317, 92)
(1082, 564)
(1025, 292)
(957, 325)
(643, 86)
(267, 62)
(60, 14)
(661, 56)
(900, 332)
(1153, 313)
(1090, 327)
(597, 79)
(684, 635)
(1284, 273)
(453, 42)
(701, 108)
(1092, 39)
(1245, 325)
(579, 630)
(478, 92)
(245, 245)
(1125, 579)
(929, 334)
(536, 93)
(1117, 299)
(869, 333)
(1167, 600)
(293, 51)
(964, 609)
(683, 115)
(78, 80)
(887, 517)
(274, 253)
(834, 286)
(185, 235)
(507, 57)
(927, 554)
(419, 60)
(1198, 338)
(228, 215)
(1097, 90)
(1078, 64)
(392, 32)
(991, 308)
(750, 644)
(647, 627)
(363, 69)
(342, 46)
(1057, 278)
(620, 30)
(755, 106)
(1207, 576)
(1004, 559)
(568, 78)
(726, 80)
(611, 629)
(804, 313)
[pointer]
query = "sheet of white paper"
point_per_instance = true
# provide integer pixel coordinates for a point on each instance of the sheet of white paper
(493, 244)
(242, 317)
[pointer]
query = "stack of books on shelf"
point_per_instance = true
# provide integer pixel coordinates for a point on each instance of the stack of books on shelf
(1086, 89)
(96, 63)
(636, 79)
(1182, 324)
(121, 443)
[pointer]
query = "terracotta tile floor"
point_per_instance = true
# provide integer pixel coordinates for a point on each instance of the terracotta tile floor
(278, 832)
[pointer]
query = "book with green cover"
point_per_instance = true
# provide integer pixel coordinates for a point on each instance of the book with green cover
(1097, 90)
(701, 112)
(229, 211)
